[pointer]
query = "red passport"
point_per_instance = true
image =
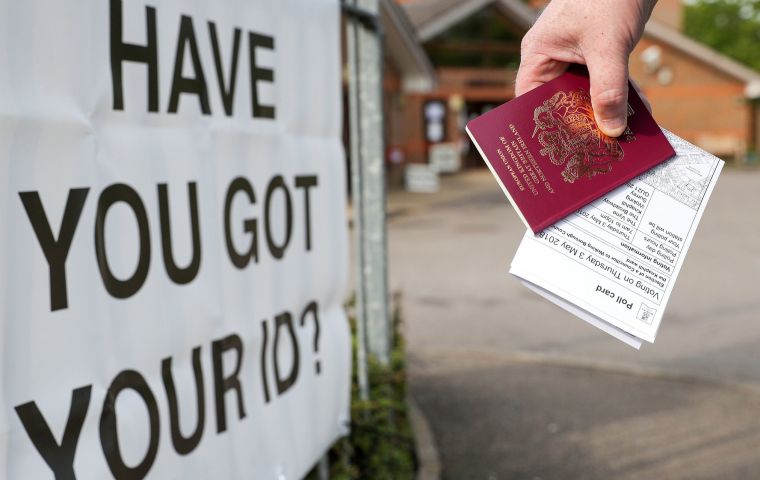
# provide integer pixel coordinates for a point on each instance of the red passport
(549, 156)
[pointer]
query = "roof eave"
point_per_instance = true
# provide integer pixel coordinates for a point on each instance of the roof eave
(520, 13)
(701, 52)
(446, 19)
(417, 72)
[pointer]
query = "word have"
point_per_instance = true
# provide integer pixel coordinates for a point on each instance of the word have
(227, 357)
(187, 49)
(56, 247)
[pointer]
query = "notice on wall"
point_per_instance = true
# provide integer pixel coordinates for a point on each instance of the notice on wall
(173, 253)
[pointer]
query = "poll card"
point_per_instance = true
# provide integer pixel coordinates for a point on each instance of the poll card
(615, 261)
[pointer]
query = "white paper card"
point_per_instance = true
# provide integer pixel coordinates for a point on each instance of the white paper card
(617, 259)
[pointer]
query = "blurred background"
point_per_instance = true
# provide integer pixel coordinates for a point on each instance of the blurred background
(448, 61)
(513, 387)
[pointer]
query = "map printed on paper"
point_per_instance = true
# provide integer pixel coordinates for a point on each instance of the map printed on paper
(686, 177)
(614, 262)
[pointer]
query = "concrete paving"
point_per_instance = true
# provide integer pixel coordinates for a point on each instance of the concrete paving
(516, 388)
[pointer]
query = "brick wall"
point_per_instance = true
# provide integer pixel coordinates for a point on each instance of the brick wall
(699, 103)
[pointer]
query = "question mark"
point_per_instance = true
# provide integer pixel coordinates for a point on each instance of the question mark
(312, 308)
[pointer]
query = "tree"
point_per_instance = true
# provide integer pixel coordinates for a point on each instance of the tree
(731, 27)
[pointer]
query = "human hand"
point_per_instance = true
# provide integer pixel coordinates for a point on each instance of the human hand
(599, 34)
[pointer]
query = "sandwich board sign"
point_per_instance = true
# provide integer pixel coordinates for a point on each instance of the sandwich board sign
(173, 258)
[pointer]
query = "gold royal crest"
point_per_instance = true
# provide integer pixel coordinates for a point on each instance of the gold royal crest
(569, 135)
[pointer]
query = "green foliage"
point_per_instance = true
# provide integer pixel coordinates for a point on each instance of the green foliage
(731, 27)
(380, 445)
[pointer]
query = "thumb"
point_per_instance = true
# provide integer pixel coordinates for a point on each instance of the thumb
(609, 90)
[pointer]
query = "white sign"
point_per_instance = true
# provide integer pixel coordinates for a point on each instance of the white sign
(173, 257)
(421, 178)
(445, 157)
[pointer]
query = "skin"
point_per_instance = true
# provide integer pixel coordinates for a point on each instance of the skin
(597, 33)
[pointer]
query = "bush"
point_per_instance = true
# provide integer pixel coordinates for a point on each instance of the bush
(380, 445)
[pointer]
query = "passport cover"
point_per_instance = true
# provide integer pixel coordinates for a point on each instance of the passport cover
(549, 156)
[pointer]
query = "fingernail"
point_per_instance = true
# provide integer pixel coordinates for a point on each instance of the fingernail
(612, 127)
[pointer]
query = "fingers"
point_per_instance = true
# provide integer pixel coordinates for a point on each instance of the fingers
(609, 90)
(525, 85)
(535, 70)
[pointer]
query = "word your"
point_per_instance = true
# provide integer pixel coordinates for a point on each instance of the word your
(227, 361)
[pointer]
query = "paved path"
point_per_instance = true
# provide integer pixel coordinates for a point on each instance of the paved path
(517, 388)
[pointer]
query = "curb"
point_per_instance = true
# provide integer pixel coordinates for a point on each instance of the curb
(424, 444)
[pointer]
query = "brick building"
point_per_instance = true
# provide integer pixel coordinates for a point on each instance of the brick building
(697, 93)
(473, 46)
